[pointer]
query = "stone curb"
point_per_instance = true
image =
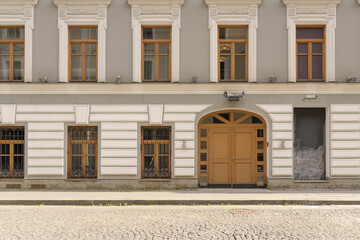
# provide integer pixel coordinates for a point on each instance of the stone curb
(178, 202)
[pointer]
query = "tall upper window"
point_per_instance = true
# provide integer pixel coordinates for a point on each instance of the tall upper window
(83, 53)
(12, 40)
(82, 148)
(156, 152)
(156, 45)
(11, 152)
(233, 55)
(310, 53)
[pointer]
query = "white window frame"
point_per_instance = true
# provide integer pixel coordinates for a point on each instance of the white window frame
(77, 13)
(161, 13)
(233, 12)
(14, 13)
(312, 12)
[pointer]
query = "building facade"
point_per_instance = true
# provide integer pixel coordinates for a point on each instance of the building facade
(126, 94)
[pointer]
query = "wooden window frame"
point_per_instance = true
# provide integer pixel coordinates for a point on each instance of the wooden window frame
(11, 152)
(156, 149)
(232, 54)
(11, 55)
(83, 43)
(310, 54)
(156, 42)
(83, 152)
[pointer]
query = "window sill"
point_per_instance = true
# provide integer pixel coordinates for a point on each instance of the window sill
(155, 180)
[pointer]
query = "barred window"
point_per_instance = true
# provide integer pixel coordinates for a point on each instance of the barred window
(156, 152)
(12, 152)
(82, 148)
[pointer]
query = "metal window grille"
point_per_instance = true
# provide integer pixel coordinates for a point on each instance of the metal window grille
(83, 144)
(156, 152)
(11, 152)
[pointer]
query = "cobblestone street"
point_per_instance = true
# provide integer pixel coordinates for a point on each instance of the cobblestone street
(180, 222)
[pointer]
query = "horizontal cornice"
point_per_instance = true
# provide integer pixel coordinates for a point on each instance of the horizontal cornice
(18, 2)
(82, 2)
(311, 2)
(233, 2)
(155, 2)
(178, 88)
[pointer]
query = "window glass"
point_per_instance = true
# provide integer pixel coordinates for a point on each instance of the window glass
(233, 33)
(240, 65)
(83, 33)
(309, 33)
(13, 33)
(317, 66)
(302, 62)
(156, 33)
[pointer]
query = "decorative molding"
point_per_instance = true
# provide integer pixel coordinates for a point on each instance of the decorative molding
(21, 12)
(156, 112)
(8, 113)
(233, 12)
(82, 12)
(319, 88)
(313, 2)
(156, 12)
(310, 12)
(82, 114)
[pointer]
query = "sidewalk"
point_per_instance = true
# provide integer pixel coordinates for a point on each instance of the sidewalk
(164, 197)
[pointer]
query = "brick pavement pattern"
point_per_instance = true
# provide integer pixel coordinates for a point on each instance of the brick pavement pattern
(179, 222)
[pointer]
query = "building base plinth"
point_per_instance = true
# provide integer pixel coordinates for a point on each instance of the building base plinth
(99, 184)
(330, 184)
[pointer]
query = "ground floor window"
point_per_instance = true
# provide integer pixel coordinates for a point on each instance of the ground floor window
(82, 149)
(156, 149)
(12, 152)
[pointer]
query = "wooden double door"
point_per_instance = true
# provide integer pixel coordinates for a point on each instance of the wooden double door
(232, 156)
(232, 149)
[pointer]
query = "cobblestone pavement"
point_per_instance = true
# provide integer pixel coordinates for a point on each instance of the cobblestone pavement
(180, 222)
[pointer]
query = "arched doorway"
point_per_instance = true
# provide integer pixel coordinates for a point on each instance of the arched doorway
(232, 149)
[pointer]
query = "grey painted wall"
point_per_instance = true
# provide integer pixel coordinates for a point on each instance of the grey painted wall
(347, 40)
(272, 41)
(194, 41)
(45, 42)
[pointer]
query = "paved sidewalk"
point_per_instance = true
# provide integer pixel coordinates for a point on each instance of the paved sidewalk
(163, 197)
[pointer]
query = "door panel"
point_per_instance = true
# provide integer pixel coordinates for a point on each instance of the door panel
(243, 173)
(243, 168)
(220, 156)
(221, 173)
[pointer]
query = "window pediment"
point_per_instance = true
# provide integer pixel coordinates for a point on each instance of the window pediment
(157, 2)
(233, 12)
(312, 12)
(311, 2)
(21, 12)
(82, 2)
(82, 12)
(156, 13)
